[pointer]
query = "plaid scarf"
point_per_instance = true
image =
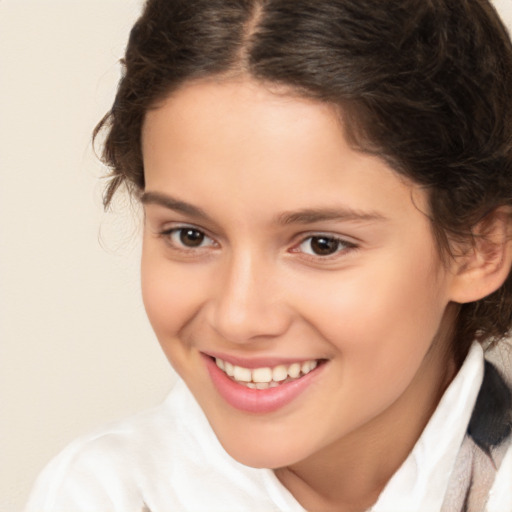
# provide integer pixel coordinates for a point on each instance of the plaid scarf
(483, 448)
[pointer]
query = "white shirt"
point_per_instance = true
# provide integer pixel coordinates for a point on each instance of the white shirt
(169, 460)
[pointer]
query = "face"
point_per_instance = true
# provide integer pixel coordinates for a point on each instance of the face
(292, 282)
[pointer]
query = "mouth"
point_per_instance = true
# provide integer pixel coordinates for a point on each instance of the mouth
(252, 387)
(266, 377)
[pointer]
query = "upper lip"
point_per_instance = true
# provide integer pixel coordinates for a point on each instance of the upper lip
(258, 362)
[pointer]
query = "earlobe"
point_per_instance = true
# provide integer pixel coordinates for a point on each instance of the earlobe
(485, 265)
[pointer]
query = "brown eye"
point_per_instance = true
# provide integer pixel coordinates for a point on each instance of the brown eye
(188, 239)
(324, 246)
(191, 237)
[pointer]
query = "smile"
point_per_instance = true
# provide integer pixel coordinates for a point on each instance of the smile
(262, 386)
(266, 377)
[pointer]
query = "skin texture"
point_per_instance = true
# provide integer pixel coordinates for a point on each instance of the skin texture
(378, 311)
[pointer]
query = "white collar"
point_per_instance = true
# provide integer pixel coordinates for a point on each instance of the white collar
(420, 483)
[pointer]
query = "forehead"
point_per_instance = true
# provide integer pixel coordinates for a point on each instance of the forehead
(245, 111)
(251, 143)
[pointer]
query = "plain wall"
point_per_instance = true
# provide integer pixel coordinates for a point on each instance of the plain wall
(76, 349)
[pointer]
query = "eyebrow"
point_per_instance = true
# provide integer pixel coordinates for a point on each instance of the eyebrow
(312, 215)
(173, 204)
(305, 216)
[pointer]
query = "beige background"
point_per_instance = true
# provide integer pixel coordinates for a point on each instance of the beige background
(75, 347)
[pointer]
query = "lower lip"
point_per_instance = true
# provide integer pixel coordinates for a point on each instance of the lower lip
(258, 401)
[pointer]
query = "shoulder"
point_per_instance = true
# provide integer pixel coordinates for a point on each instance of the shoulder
(491, 430)
(154, 461)
(109, 465)
(501, 492)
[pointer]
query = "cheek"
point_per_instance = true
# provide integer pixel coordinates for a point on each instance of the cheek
(169, 293)
(380, 327)
(381, 318)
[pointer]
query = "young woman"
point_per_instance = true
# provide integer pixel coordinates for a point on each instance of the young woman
(327, 192)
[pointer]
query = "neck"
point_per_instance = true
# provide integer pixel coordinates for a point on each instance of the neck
(349, 475)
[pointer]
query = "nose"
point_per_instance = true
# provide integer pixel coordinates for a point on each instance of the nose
(247, 303)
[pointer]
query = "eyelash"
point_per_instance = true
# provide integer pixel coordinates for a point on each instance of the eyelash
(341, 245)
(169, 234)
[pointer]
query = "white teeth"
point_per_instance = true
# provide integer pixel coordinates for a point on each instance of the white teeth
(294, 370)
(264, 378)
(229, 369)
(262, 375)
(279, 373)
(307, 366)
(242, 374)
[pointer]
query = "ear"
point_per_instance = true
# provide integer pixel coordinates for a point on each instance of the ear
(485, 265)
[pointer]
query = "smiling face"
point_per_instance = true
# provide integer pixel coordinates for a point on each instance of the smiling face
(269, 242)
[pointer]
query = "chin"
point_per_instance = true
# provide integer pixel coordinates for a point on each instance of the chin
(252, 452)
(257, 459)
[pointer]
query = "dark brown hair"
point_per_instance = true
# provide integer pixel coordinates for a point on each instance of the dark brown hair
(424, 84)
